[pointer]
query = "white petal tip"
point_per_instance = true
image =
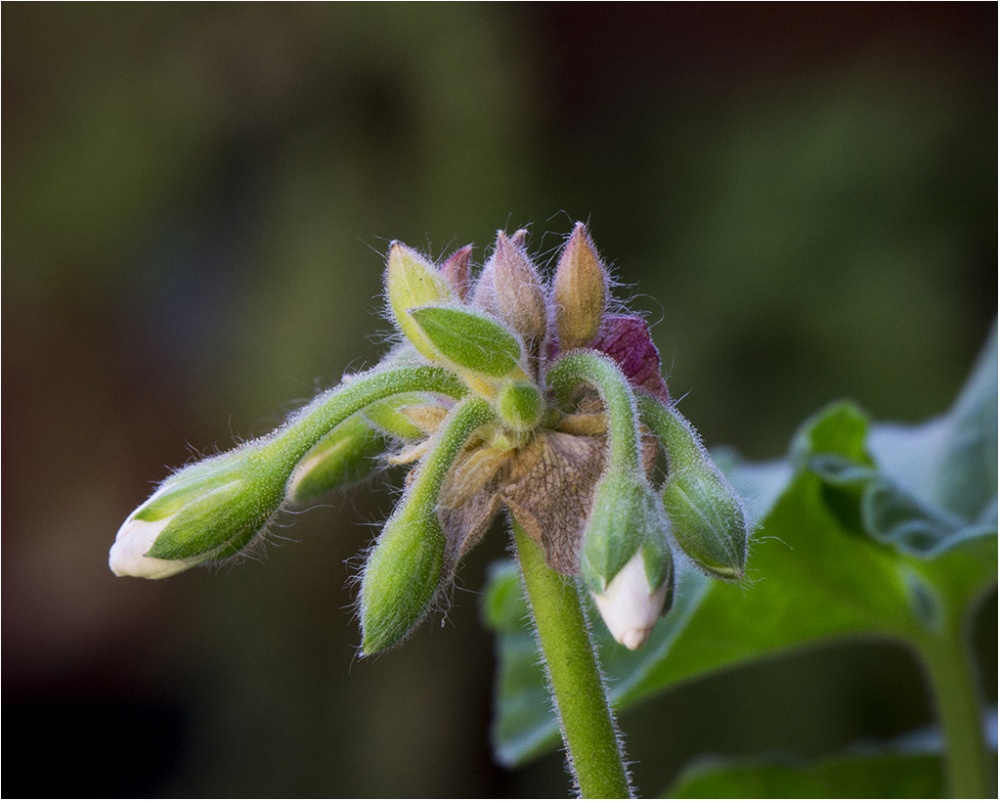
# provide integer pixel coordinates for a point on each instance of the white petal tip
(629, 607)
(635, 638)
(128, 554)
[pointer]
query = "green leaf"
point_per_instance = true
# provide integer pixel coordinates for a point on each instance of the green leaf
(860, 533)
(471, 340)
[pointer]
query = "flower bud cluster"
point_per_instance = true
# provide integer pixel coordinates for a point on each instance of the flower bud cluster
(507, 391)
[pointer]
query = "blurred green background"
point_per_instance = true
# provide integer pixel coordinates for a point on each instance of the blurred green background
(196, 200)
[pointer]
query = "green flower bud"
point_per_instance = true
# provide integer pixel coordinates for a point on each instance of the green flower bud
(625, 558)
(346, 455)
(579, 291)
(519, 405)
(708, 519)
(210, 510)
(401, 578)
(626, 561)
(410, 281)
(709, 522)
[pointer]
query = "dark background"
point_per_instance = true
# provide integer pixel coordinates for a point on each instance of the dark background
(196, 200)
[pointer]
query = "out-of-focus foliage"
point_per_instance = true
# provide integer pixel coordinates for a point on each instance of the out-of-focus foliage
(197, 204)
(867, 775)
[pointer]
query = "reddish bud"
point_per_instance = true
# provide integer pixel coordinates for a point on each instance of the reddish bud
(455, 271)
(625, 338)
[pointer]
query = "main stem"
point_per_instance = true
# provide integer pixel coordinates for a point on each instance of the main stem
(949, 667)
(588, 726)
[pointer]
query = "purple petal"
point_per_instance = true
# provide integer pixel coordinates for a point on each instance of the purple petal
(626, 340)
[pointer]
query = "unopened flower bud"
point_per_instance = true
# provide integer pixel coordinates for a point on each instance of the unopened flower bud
(346, 455)
(520, 299)
(631, 604)
(709, 521)
(455, 270)
(519, 405)
(216, 507)
(406, 567)
(626, 518)
(484, 296)
(412, 281)
(625, 515)
(579, 291)
(401, 578)
(210, 510)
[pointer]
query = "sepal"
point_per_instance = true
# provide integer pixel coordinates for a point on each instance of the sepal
(469, 340)
(625, 515)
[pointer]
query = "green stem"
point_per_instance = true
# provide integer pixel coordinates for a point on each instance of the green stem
(948, 662)
(585, 716)
(310, 424)
(684, 448)
(602, 372)
(450, 439)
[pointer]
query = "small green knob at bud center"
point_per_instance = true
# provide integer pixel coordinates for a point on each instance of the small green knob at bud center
(519, 405)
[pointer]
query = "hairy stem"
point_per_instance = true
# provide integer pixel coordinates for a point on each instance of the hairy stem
(602, 372)
(576, 684)
(449, 441)
(310, 424)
